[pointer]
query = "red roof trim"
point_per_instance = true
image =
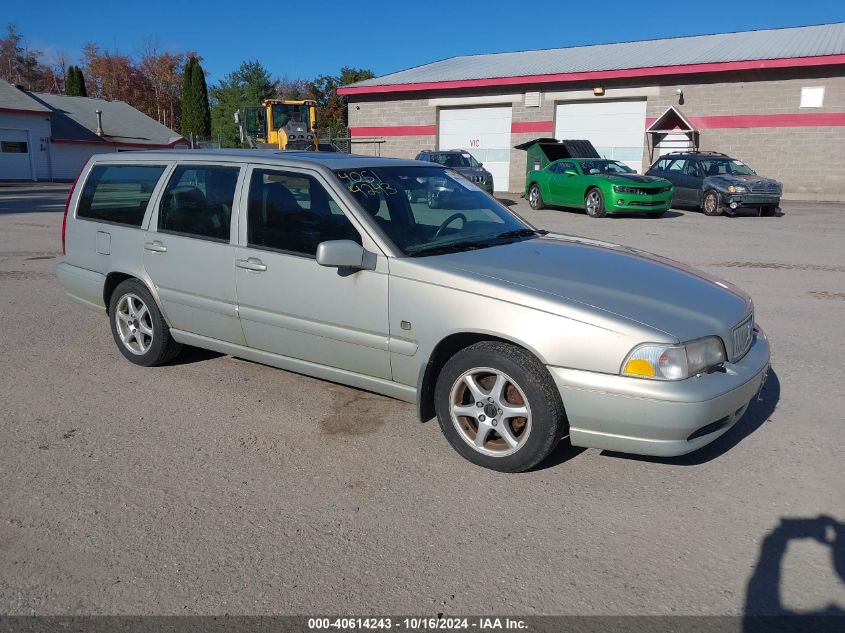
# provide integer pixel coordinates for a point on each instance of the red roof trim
(44, 113)
(394, 130)
(795, 119)
(683, 69)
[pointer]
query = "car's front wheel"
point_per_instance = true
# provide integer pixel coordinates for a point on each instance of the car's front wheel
(138, 327)
(710, 204)
(594, 203)
(498, 407)
(535, 197)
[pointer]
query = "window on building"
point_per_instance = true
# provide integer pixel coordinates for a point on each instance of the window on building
(198, 201)
(118, 193)
(293, 213)
(812, 97)
(14, 147)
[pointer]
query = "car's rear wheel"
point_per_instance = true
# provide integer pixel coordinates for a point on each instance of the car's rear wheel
(535, 197)
(138, 327)
(498, 407)
(594, 203)
(710, 204)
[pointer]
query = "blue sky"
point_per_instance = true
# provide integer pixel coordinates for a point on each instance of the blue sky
(384, 36)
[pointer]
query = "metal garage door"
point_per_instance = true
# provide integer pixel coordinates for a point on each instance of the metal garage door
(14, 155)
(483, 132)
(615, 128)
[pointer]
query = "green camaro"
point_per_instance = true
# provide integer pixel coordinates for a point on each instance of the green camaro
(600, 186)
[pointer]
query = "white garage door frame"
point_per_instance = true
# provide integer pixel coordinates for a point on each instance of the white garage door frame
(29, 151)
(482, 130)
(616, 127)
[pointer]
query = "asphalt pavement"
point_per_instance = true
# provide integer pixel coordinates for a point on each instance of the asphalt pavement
(216, 485)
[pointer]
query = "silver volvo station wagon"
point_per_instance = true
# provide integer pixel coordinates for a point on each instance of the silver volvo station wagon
(322, 264)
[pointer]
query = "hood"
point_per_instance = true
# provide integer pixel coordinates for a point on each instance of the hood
(635, 178)
(471, 171)
(750, 181)
(573, 277)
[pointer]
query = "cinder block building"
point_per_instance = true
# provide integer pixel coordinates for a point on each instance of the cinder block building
(772, 98)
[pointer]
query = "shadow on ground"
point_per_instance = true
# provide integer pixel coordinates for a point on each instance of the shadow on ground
(764, 608)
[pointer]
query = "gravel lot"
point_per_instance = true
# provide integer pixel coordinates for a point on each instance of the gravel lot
(217, 485)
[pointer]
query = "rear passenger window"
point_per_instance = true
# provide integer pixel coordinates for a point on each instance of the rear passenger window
(118, 194)
(198, 201)
(293, 212)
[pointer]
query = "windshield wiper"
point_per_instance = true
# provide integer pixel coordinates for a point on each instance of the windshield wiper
(521, 233)
(493, 240)
(452, 248)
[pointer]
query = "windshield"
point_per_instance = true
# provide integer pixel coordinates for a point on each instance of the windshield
(454, 160)
(605, 167)
(284, 113)
(720, 166)
(426, 210)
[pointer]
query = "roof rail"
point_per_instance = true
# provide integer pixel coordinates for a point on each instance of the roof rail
(691, 151)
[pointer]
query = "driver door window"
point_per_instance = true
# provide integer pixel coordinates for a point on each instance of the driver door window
(293, 213)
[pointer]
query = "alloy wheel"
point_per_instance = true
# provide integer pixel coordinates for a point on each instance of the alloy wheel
(593, 202)
(490, 411)
(134, 324)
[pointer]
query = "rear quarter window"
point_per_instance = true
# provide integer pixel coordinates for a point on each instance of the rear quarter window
(118, 194)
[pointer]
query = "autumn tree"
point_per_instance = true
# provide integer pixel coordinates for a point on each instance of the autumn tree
(20, 65)
(332, 108)
(196, 116)
(249, 85)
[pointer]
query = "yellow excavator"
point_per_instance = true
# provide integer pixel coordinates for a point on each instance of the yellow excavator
(281, 124)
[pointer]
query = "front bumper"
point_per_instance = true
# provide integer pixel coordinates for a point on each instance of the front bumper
(632, 203)
(649, 417)
(744, 200)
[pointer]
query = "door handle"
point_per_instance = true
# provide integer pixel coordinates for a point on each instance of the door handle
(252, 263)
(155, 247)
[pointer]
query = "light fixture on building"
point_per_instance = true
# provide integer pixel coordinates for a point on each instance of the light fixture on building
(598, 91)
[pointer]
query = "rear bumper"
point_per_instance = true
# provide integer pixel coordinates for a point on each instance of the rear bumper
(649, 417)
(82, 285)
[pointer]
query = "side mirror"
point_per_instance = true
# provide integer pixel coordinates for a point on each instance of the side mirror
(481, 164)
(570, 172)
(340, 254)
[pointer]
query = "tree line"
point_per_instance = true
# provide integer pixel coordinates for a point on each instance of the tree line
(172, 87)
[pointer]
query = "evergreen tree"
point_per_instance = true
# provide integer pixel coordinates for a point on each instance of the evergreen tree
(249, 85)
(196, 116)
(75, 82)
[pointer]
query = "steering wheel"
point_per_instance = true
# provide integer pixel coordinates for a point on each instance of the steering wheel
(448, 221)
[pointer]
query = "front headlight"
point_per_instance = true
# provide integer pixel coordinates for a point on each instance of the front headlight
(674, 362)
(624, 189)
(737, 189)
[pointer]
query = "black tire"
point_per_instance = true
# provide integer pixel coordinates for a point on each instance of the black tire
(161, 347)
(710, 203)
(597, 211)
(535, 197)
(526, 379)
(769, 212)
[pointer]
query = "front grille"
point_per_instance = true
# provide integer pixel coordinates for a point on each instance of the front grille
(764, 187)
(743, 335)
(641, 191)
(645, 203)
(477, 179)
